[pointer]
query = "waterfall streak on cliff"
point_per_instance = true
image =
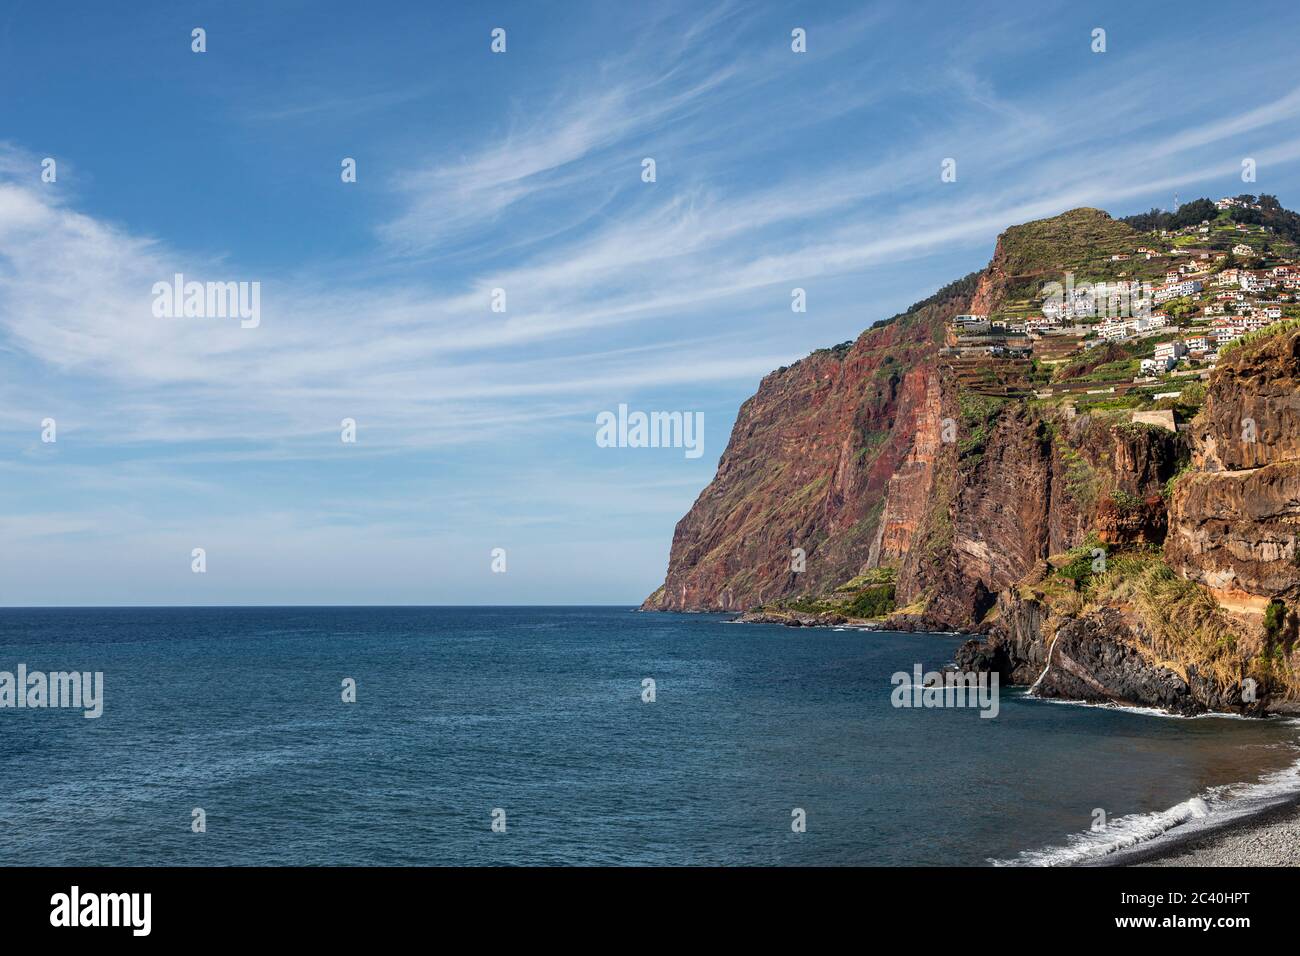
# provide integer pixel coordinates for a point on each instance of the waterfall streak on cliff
(1050, 648)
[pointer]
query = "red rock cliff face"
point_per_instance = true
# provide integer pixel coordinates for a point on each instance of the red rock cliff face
(986, 525)
(908, 493)
(1035, 487)
(806, 467)
(1235, 520)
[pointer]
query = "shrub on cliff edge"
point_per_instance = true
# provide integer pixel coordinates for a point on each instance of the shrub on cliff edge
(1187, 625)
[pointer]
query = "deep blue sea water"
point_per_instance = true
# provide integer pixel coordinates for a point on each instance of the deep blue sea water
(538, 711)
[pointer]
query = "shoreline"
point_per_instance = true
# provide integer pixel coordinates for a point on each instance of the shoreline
(1267, 836)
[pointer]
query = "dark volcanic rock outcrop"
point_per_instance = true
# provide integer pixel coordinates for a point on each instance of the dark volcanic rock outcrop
(1097, 657)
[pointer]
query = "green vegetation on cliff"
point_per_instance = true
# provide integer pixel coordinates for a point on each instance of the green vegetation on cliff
(866, 596)
(1080, 241)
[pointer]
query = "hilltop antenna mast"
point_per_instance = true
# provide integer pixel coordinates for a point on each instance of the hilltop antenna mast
(1175, 209)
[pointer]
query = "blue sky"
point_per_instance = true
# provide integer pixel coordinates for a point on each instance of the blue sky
(519, 171)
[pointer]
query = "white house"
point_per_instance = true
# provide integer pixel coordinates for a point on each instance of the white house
(1177, 290)
(1170, 351)
(970, 324)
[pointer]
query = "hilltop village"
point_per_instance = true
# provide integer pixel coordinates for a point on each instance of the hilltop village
(1139, 322)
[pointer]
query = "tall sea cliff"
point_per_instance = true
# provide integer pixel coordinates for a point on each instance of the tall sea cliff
(1147, 536)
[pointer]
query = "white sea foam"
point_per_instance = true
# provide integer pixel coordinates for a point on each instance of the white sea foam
(1144, 711)
(1216, 805)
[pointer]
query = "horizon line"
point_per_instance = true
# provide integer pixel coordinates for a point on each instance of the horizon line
(288, 607)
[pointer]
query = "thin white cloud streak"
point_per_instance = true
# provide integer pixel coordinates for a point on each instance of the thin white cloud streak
(444, 201)
(672, 93)
(75, 290)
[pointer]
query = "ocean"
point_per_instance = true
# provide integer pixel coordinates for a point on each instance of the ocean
(535, 719)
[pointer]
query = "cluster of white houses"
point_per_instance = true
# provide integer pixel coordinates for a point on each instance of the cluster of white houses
(1114, 329)
(1208, 299)
(1227, 202)
(1233, 327)
(981, 325)
(1090, 300)
(1168, 354)
(1202, 347)
(1225, 305)
(1176, 290)
(1259, 280)
(1190, 278)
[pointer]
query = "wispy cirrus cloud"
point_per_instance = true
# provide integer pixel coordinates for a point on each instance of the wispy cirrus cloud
(76, 290)
(774, 171)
